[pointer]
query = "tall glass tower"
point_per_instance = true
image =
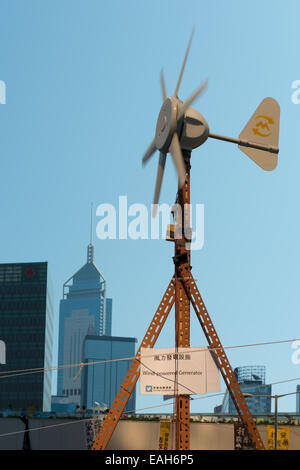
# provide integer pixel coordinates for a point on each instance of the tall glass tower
(26, 329)
(84, 309)
(105, 372)
(251, 380)
(298, 399)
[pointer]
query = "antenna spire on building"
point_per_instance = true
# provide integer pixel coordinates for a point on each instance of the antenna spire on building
(90, 250)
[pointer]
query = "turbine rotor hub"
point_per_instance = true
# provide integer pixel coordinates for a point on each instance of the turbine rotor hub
(166, 124)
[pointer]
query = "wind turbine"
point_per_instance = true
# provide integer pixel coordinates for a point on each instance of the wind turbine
(181, 127)
(179, 130)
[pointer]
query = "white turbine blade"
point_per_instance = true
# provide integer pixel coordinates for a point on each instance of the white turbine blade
(192, 98)
(176, 153)
(159, 177)
(184, 62)
(163, 85)
(150, 152)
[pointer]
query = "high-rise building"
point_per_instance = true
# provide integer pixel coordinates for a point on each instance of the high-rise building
(84, 308)
(105, 370)
(252, 381)
(298, 399)
(26, 328)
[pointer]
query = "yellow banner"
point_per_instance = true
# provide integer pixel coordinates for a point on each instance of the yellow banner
(164, 435)
(283, 437)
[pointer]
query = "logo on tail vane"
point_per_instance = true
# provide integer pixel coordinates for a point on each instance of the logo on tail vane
(262, 127)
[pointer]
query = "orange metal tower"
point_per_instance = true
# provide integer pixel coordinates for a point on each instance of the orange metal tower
(182, 290)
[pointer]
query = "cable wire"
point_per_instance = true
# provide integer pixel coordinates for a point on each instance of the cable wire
(19, 372)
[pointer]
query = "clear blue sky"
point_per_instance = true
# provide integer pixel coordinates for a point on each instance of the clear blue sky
(83, 96)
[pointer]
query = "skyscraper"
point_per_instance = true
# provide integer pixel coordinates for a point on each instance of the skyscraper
(26, 328)
(298, 399)
(84, 309)
(251, 380)
(108, 359)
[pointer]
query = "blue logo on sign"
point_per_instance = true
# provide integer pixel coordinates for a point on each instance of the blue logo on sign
(148, 388)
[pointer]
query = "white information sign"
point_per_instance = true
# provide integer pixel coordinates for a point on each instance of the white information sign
(186, 371)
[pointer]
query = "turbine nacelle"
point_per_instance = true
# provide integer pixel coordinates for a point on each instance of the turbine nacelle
(195, 130)
(192, 129)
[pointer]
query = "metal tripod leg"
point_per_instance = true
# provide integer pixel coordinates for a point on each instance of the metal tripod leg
(219, 354)
(116, 410)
